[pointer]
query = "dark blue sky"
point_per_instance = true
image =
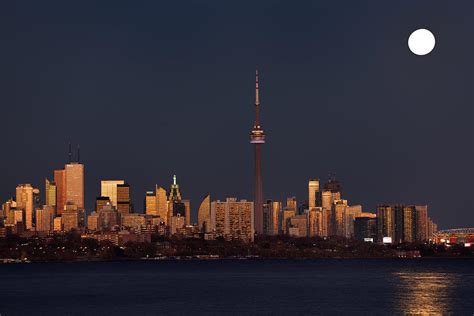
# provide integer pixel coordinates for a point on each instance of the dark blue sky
(149, 89)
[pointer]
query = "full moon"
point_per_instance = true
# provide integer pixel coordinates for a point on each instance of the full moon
(421, 42)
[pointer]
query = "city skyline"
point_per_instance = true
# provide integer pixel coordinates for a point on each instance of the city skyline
(108, 193)
(257, 138)
(331, 106)
(237, 157)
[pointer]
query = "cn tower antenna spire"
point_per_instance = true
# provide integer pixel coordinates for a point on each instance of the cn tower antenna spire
(257, 100)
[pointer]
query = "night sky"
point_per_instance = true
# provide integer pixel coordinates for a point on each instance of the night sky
(151, 89)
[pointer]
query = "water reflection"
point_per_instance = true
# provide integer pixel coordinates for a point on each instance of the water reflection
(425, 293)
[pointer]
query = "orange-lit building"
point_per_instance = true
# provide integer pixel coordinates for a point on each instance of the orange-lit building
(233, 219)
(60, 180)
(123, 198)
(204, 215)
(45, 218)
(24, 201)
(75, 184)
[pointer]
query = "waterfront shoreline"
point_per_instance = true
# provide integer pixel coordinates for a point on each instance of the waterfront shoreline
(174, 259)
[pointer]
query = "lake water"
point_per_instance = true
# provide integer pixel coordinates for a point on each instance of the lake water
(239, 287)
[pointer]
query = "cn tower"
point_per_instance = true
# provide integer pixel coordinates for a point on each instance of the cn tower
(257, 138)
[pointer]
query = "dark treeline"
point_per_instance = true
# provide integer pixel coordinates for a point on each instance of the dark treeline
(71, 247)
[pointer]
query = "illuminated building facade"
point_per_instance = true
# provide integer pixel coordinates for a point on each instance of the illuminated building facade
(315, 222)
(405, 223)
(70, 218)
(45, 218)
(350, 215)
(272, 211)
(177, 207)
(133, 221)
(298, 226)
(108, 218)
(92, 221)
(162, 204)
(177, 223)
(60, 181)
(234, 219)
(326, 199)
(109, 188)
(313, 193)
(432, 227)
(204, 215)
(58, 224)
(24, 201)
(157, 203)
(150, 203)
(288, 212)
(101, 202)
(422, 223)
(75, 184)
(187, 211)
(291, 204)
(50, 193)
(18, 217)
(338, 214)
(385, 222)
(123, 198)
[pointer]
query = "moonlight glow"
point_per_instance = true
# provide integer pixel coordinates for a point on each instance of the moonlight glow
(421, 42)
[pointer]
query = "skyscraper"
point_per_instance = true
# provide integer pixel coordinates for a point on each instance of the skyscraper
(75, 184)
(276, 217)
(107, 218)
(338, 213)
(315, 221)
(385, 222)
(187, 211)
(291, 204)
(422, 222)
(162, 204)
(233, 219)
(24, 201)
(60, 180)
(272, 211)
(176, 206)
(70, 218)
(44, 218)
(298, 226)
(257, 138)
(150, 203)
(405, 221)
(350, 214)
(175, 193)
(123, 198)
(313, 192)
(326, 203)
(50, 193)
(109, 188)
(204, 214)
(365, 226)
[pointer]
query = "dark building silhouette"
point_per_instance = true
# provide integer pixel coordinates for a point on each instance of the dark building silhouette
(365, 227)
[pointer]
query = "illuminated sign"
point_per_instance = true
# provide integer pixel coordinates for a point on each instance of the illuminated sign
(467, 244)
(387, 240)
(368, 239)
